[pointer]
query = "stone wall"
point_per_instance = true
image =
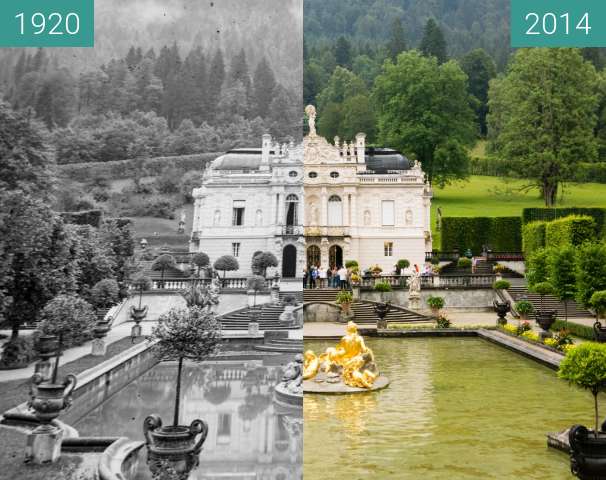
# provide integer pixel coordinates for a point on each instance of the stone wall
(322, 312)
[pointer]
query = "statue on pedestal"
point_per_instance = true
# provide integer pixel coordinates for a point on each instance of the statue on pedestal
(310, 110)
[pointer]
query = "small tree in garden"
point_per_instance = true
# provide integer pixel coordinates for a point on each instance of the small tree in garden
(591, 271)
(189, 333)
(501, 285)
(141, 283)
(561, 266)
(226, 263)
(352, 264)
(436, 303)
(69, 316)
(598, 303)
(542, 288)
(200, 260)
(162, 263)
(536, 267)
(585, 366)
(464, 262)
(402, 265)
(255, 283)
(262, 261)
(382, 287)
(105, 293)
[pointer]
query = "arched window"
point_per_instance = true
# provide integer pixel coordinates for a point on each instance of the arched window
(335, 211)
(292, 209)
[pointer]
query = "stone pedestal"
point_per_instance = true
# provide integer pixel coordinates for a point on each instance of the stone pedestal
(381, 324)
(44, 368)
(355, 291)
(275, 294)
(414, 302)
(98, 347)
(44, 445)
(253, 328)
(135, 331)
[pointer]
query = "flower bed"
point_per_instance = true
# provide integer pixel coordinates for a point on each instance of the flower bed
(560, 343)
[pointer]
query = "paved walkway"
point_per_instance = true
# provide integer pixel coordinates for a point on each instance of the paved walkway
(75, 353)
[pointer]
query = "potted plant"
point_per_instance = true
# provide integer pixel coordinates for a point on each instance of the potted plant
(545, 318)
(376, 271)
(192, 334)
(442, 321)
(200, 260)
(344, 300)
(524, 309)
(464, 263)
(352, 265)
(598, 303)
(163, 263)
(436, 304)
(226, 263)
(585, 367)
(384, 289)
(70, 317)
(262, 261)
(402, 265)
(140, 283)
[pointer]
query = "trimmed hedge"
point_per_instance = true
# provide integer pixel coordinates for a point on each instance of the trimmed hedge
(500, 234)
(86, 217)
(576, 329)
(533, 237)
(573, 230)
(84, 172)
(549, 214)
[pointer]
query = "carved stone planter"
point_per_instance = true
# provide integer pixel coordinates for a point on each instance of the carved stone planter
(173, 446)
(47, 345)
(599, 332)
(381, 311)
(545, 318)
(502, 309)
(137, 315)
(587, 453)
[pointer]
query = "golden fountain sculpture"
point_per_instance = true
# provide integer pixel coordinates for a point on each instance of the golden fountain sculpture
(351, 362)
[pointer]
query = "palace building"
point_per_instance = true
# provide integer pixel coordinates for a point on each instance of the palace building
(251, 200)
(366, 204)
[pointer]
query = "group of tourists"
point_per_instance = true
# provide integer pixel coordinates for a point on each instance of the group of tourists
(320, 277)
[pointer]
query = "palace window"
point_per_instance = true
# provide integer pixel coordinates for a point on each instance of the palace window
(292, 207)
(238, 213)
(388, 213)
(334, 174)
(335, 211)
(293, 174)
(235, 249)
(312, 174)
(388, 249)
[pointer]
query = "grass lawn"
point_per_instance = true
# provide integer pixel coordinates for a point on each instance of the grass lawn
(496, 197)
(17, 391)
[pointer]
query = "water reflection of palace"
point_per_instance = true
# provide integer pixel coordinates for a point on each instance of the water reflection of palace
(249, 436)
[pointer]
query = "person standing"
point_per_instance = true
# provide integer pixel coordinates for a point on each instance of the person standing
(343, 278)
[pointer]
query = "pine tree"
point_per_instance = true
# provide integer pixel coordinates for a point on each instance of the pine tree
(343, 52)
(433, 43)
(397, 39)
(216, 77)
(264, 84)
(20, 68)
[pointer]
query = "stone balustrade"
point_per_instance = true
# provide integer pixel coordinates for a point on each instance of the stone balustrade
(433, 281)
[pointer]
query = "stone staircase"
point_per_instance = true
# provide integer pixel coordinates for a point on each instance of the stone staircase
(364, 313)
(282, 345)
(269, 318)
(297, 295)
(549, 303)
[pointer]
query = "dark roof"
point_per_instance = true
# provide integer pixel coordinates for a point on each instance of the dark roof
(383, 159)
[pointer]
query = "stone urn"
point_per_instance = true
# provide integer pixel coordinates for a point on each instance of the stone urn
(587, 453)
(502, 309)
(137, 314)
(545, 318)
(173, 446)
(49, 399)
(381, 311)
(46, 346)
(599, 332)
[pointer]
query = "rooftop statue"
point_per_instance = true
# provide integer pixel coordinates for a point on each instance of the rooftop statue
(350, 362)
(310, 110)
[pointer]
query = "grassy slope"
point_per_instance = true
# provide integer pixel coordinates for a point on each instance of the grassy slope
(494, 197)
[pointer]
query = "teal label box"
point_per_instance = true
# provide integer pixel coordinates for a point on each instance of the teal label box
(47, 23)
(558, 23)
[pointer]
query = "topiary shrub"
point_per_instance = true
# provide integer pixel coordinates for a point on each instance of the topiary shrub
(255, 283)
(344, 298)
(537, 267)
(70, 316)
(533, 237)
(464, 262)
(200, 260)
(262, 261)
(226, 263)
(524, 308)
(499, 233)
(382, 287)
(435, 302)
(352, 264)
(591, 272)
(598, 303)
(105, 293)
(573, 230)
(501, 285)
(402, 265)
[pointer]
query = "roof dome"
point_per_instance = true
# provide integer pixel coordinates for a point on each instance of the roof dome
(238, 159)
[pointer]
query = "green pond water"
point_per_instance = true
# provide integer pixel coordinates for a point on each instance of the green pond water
(455, 409)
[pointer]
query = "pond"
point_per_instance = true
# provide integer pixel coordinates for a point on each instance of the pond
(249, 435)
(456, 408)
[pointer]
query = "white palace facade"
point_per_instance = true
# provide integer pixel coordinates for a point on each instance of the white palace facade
(315, 203)
(251, 200)
(366, 204)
